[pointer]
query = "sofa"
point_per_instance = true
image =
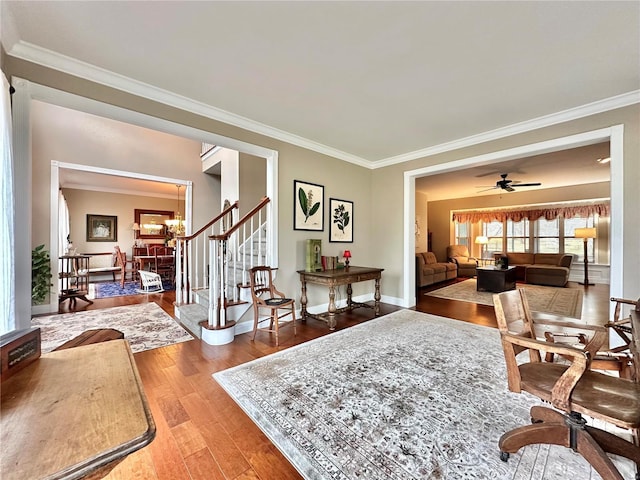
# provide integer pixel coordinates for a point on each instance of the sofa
(466, 264)
(430, 271)
(550, 269)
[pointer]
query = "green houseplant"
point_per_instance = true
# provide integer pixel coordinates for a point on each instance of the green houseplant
(40, 275)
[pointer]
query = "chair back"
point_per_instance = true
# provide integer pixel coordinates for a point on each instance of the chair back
(460, 251)
(262, 287)
(121, 257)
(140, 251)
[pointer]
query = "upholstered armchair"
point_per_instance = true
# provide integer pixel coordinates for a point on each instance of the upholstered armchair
(459, 254)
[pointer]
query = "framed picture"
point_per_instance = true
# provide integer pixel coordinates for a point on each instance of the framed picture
(341, 214)
(102, 228)
(308, 206)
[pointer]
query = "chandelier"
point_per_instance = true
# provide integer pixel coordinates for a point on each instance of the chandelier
(176, 225)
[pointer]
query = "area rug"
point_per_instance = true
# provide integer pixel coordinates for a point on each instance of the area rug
(145, 326)
(113, 289)
(566, 302)
(405, 396)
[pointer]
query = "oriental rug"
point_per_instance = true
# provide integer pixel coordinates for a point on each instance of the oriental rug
(113, 289)
(405, 396)
(144, 325)
(566, 302)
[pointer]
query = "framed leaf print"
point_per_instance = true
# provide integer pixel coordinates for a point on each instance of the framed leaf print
(308, 206)
(341, 214)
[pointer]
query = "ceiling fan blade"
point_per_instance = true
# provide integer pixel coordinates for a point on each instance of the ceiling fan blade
(509, 189)
(486, 189)
(528, 185)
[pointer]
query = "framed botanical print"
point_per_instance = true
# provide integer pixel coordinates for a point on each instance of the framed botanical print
(341, 214)
(308, 206)
(102, 228)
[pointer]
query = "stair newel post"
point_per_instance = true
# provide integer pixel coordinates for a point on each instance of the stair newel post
(213, 283)
(222, 269)
(178, 260)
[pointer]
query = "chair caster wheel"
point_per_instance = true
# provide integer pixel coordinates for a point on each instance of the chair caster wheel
(504, 456)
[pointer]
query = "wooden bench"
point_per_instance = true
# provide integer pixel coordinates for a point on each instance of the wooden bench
(92, 336)
(102, 263)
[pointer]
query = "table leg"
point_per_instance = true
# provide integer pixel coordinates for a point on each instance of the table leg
(349, 292)
(303, 301)
(332, 307)
(376, 297)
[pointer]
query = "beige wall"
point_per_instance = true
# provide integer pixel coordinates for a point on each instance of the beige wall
(253, 181)
(377, 194)
(83, 202)
(440, 211)
(340, 179)
(388, 182)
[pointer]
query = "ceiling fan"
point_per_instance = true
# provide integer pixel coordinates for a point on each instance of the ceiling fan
(509, 185)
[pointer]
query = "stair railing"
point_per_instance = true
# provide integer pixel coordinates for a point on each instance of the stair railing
(230, 260)
(192, 255)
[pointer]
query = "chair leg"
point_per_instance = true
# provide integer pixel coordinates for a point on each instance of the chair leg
(255, 322)
(275, 324)
(552, 427)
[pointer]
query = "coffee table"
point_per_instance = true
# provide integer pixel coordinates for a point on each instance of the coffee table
(495, 279)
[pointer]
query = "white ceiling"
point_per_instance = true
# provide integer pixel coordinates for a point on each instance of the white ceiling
(576, 166)
(369, 82)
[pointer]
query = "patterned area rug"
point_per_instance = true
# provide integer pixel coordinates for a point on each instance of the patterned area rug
(566, 302)
(145, 326)
(404, 396)
(113, 289)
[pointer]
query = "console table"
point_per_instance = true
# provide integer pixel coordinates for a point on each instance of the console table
(74, 278)
(73, 413)
(332, 279)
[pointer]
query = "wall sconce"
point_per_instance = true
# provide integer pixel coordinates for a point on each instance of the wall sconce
(347, 256)
(585, 234)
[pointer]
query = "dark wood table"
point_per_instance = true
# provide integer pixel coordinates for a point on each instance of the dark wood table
(332, 279)
(492, 279)
(73, 413)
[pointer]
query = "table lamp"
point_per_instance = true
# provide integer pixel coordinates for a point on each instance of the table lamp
(585, 234)
(347, 256)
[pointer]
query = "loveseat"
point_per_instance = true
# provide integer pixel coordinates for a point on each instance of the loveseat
(430, 271)
(540, 268)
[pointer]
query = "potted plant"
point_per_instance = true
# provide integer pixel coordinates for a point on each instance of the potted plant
(40, 275)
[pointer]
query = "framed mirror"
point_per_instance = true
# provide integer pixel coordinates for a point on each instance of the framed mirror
(151, 222)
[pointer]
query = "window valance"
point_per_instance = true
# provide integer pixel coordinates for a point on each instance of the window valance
(548, 212)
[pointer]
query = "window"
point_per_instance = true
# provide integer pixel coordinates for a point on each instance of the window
(493, 232)
(462, 234)
(576, 245)
(518, 236)
(546, 237)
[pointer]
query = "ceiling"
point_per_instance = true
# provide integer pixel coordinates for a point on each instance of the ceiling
(576, 166)
(368, 82)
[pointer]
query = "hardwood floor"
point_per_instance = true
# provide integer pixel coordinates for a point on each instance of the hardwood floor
(201, 432)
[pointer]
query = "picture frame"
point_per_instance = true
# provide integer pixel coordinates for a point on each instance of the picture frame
(308, 206)
(102, 228)
(341, 221)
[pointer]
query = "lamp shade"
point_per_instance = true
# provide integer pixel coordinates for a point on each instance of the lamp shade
(482, 240)
(584, 233)
(347, 254)
(136, 227)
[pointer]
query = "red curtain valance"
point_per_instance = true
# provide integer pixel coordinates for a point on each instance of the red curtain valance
(547, 212)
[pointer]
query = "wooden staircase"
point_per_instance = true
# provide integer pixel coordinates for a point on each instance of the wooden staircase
(236, 248)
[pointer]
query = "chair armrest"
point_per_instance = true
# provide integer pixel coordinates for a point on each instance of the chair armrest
(580, 362)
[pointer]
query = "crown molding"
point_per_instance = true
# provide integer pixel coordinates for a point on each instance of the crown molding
(47, 58)
(619, 101)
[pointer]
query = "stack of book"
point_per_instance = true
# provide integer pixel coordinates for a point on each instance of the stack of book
(329, 263)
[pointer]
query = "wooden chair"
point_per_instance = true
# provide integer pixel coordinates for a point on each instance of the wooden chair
(126, 266)
(572, 389)
(622, 326)
(164, 262)
(267, 298)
